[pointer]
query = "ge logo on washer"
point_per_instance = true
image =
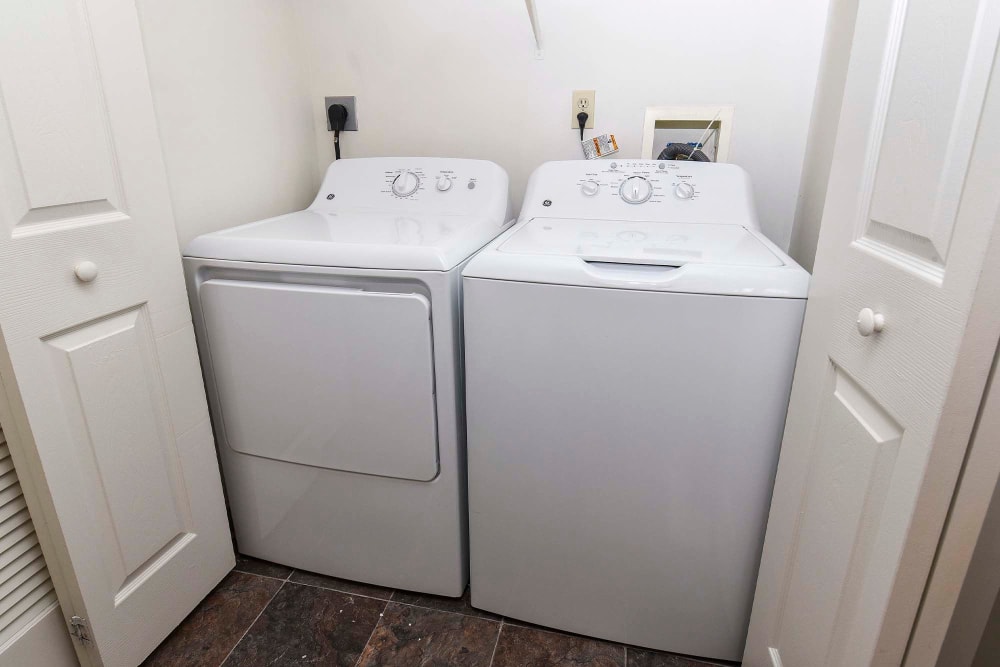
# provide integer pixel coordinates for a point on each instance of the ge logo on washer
(547, 202)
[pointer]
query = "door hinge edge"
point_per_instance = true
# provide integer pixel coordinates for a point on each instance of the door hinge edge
(78, 629)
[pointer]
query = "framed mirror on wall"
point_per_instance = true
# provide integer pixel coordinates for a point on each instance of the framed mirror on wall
(687, 132)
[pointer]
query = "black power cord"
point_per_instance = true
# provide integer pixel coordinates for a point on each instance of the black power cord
(337, 114)
(581, 119)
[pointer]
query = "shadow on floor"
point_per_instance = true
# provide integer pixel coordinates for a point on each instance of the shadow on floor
(268, 614)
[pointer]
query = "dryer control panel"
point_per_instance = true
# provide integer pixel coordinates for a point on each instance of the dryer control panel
(431, 186)
(641, 190)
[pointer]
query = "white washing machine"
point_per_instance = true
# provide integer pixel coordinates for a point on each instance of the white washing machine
(629, 354)
(331, 344)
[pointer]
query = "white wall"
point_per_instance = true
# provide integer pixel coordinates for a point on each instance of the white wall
(233, 108)
(439, 77)
(823, 130)
(973, 634)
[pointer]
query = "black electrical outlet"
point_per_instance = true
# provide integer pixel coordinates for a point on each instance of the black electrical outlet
(352, 112)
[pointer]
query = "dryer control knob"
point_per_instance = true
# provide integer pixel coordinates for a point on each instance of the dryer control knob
(590, 188)
(405, 184)
(443, 183)
(635, 190)
(684, 190)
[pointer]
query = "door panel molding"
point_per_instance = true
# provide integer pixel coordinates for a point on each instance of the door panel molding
(73, 161)
(108, 371)
(891, 223)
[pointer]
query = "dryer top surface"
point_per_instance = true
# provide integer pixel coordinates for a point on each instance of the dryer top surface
(382, 213)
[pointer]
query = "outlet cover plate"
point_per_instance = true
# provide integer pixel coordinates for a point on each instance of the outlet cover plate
(583, 100)
(352, 112)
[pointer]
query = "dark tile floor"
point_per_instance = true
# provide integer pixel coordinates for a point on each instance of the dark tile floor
(268, 614)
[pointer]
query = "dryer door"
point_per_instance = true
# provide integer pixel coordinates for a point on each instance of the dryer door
(322, 376)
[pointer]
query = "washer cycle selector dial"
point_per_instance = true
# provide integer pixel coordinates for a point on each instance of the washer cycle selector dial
(684, 190)
(405, 184)
(590, 188)
(635, 190)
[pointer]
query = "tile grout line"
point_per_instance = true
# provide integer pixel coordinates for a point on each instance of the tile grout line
(554, 631)
(262, 576)
(446, 611)
(496, 643)
(390, 599)
(256, 618)
(342, 592)
(381, 617)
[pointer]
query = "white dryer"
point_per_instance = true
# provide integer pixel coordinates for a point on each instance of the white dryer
(629, 355)
(330, 340)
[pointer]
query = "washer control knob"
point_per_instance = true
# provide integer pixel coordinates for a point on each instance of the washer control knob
(635, 190)
(443, 183)
(405, 184)
(684, 190)
(590, 188)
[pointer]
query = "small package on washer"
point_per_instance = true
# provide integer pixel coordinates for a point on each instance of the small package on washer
(599, 146)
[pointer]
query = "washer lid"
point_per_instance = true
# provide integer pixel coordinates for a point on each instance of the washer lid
(657, 243)
(359, 239)
(696, 258)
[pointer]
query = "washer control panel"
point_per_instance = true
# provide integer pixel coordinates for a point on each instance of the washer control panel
(677, 191)
(639, 182)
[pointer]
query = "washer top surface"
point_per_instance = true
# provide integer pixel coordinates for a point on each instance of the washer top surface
(381, 213)
(641, 242)
(639, 224)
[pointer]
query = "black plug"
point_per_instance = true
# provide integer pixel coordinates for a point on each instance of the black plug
(337, 114)
(581, 118)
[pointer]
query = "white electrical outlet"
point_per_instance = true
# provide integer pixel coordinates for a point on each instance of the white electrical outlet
(583, 100)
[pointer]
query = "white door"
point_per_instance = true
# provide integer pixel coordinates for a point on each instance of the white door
(878, 423)
(103, 403)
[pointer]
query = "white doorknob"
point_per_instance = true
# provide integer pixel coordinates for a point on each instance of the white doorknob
(870, 322)
(85, 271)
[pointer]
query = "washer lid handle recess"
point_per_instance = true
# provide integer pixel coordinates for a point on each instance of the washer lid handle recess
(624, 271)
